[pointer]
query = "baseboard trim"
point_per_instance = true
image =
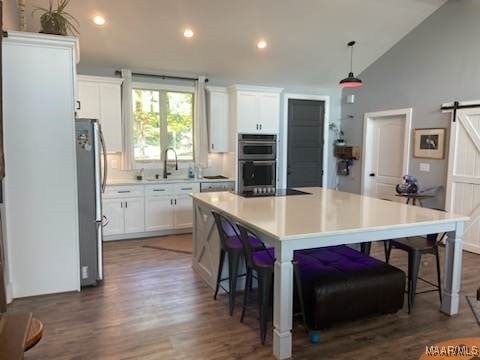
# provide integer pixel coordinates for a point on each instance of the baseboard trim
(147, 234)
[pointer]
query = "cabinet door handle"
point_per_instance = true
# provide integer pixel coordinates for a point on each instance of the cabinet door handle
(121, 204)
(126, 204)
(79, 105)
(213, 146)
(175, 201)
(257, 126)
(171, 201)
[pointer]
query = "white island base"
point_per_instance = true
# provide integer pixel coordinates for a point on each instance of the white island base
(322, 218)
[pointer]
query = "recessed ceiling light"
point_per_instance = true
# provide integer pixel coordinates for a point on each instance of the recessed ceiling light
(99, 20)
(262, 44)
(188, 33)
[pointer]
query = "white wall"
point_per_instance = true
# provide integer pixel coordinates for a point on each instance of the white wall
(435, 63)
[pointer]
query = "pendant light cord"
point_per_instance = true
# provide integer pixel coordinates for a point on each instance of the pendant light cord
(351, 59)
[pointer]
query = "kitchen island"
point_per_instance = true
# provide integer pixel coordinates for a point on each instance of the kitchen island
(321, 218)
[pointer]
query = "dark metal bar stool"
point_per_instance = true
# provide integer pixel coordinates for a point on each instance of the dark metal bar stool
(230, 245)
(262, 260)
(416, 247)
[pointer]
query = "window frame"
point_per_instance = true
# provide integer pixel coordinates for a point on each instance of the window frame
(141, 85)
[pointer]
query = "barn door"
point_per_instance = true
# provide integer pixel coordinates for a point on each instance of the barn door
(463, 181)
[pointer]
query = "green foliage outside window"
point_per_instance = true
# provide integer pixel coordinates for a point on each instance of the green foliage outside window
(162, 119)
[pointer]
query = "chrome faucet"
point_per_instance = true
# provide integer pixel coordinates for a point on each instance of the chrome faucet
(165, 172)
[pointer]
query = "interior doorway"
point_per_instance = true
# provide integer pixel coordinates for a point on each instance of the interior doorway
(386, 152)
(306, 129)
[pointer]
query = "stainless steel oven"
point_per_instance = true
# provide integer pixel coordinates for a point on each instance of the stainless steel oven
(257, 176)
(257, 147)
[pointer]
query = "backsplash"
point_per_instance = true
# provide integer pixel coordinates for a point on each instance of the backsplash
(215, 162)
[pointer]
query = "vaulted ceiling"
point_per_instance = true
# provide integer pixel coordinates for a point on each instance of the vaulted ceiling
(306, 38)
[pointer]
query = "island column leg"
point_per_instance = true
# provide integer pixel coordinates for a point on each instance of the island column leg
(283, 302)
(453, 271)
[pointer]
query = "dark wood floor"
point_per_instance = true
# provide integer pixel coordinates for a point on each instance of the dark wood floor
(153, 306)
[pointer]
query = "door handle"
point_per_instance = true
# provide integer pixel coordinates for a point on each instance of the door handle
(79, 105)
(372, 174)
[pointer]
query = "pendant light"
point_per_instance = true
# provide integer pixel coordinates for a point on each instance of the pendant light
(351, 81)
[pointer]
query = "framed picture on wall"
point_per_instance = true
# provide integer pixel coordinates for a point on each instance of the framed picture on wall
(429, 143)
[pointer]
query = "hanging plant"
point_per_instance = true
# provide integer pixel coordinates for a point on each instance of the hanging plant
(338, 131)
(57, 21)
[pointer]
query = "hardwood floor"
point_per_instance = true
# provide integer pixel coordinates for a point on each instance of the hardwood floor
(153, 306)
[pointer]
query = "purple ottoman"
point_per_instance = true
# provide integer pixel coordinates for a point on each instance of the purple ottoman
(339, 283)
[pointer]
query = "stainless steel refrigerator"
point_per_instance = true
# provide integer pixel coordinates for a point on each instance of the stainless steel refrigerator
(91, 183)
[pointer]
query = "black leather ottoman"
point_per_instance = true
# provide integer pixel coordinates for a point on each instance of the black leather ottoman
(339, 283)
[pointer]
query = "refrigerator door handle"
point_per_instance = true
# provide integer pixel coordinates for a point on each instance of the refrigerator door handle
(105, 165)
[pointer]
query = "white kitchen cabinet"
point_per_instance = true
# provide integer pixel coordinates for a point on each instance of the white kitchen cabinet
(159, 213)
(88, 100)
(146, 210)
(269, 112)
(123, 215)
(254, 110)
(217, 119)
(247, 112)
(115, 219)
(134, 210)
(40, 188)
(100, 98)
(183, 212)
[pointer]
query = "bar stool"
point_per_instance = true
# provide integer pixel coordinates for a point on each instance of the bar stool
(230, 245)
(416, 247)
(262, 260)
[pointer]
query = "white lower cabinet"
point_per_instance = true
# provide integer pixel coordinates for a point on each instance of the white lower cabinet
(163, 207)
(134, 210)
(158, 213)
(183, 212)
(123, 215)
(114, 223)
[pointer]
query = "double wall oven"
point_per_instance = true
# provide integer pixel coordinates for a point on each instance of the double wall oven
(257, 164)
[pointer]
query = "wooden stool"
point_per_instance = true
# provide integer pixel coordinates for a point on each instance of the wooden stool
(34, 334)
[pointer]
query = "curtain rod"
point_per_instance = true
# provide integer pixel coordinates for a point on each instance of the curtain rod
(118, 72)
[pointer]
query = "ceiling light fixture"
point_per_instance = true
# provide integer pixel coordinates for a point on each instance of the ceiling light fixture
(351, 81)
(262, 44)
(99, 20)
(188, 33)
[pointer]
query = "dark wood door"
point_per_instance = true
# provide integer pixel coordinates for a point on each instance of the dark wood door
(305, 142)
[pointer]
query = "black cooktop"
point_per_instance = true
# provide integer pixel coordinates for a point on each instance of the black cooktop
(278, 192)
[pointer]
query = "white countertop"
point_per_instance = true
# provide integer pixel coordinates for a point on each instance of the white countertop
(117, 182)
(323, 212)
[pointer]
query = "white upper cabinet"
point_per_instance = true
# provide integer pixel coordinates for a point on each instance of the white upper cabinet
(269, 112)
(217, 119)
(255, 109)
(100, 98)
(88, 100)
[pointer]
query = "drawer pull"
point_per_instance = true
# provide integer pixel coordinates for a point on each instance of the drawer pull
(187, 188)
(158, 189)
(123, 191)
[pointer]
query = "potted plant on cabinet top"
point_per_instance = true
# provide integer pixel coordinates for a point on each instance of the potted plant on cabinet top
(57, 21)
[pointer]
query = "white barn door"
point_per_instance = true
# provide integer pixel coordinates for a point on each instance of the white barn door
(463, 181)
